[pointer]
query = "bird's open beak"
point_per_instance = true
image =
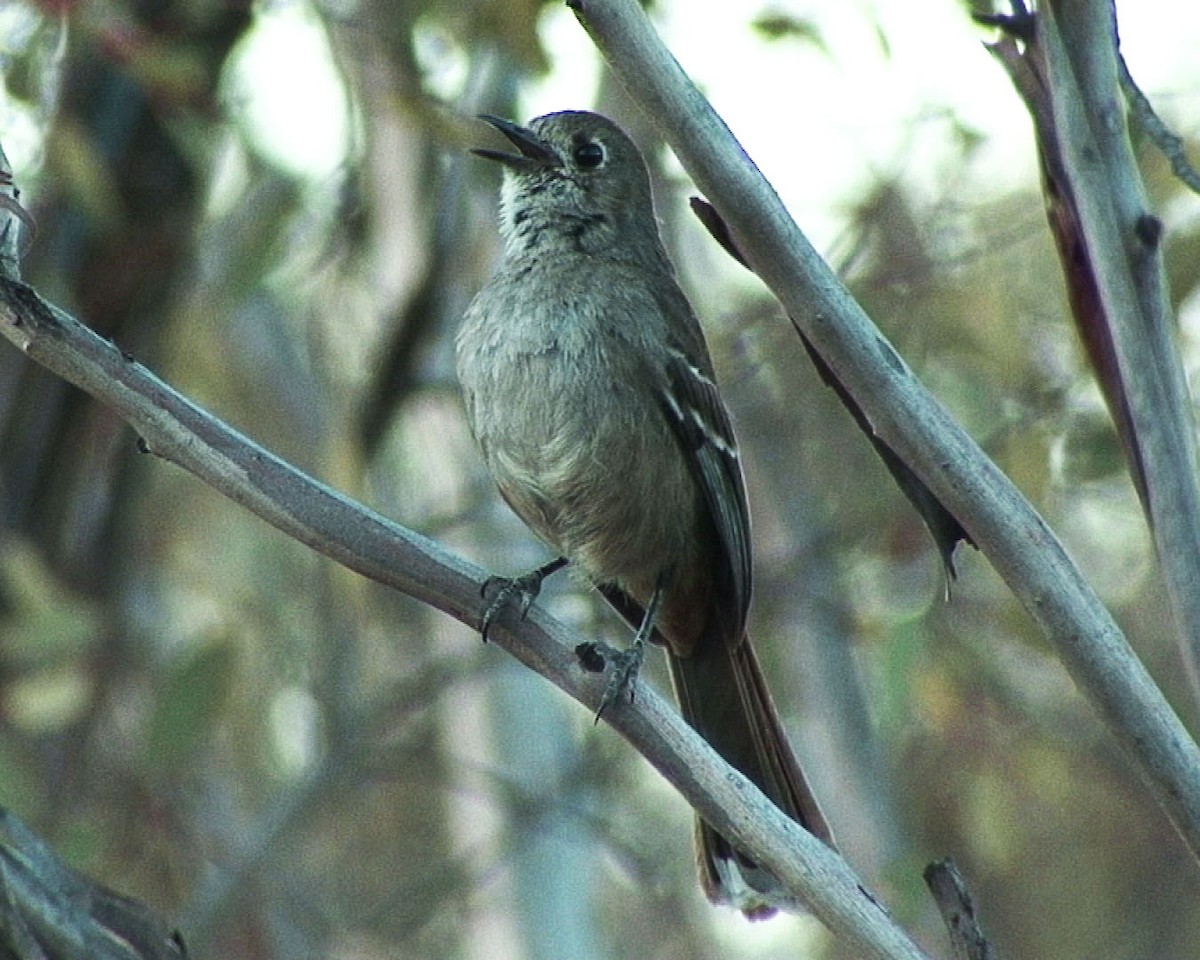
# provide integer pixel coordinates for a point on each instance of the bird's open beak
(534, 155)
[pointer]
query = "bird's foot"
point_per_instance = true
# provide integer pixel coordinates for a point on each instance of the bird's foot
(622, 666)
(523, 590)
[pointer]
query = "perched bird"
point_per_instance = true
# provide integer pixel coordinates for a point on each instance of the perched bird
(589, 388)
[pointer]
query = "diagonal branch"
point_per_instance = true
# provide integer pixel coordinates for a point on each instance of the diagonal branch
(997, 517)
(174, 428)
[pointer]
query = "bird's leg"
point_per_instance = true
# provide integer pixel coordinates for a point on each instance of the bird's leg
(625, 664)
(525, 587)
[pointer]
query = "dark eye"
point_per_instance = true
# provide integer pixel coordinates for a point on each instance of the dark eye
(589, 155)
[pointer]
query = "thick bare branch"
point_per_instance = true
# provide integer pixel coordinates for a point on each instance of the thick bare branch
(172, 427)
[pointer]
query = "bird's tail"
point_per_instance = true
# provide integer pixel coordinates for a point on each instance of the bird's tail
(724, 697)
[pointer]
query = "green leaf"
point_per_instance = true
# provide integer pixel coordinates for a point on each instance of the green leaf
(775, 25)
(190, 705)
(1090, 450)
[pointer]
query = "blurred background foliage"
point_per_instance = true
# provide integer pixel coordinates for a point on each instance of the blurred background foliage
(290, 762)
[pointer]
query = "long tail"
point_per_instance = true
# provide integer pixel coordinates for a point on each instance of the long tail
(723, 695)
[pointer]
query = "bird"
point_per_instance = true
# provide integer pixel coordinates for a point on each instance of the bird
(589, 388)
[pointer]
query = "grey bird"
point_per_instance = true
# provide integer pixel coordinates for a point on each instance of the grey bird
(589, 388)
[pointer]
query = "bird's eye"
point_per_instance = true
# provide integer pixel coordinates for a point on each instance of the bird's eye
(589, 155)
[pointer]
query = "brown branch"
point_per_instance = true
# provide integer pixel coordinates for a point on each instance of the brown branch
(943, 526)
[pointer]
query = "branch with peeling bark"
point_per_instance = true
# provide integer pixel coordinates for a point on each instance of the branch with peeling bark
(1063, 61)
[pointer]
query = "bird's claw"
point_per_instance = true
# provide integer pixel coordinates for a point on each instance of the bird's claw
(623, 667)
(508, 589)
(527, 587)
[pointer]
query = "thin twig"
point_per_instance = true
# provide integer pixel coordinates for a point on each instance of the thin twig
(1171, 145)
(955, 904)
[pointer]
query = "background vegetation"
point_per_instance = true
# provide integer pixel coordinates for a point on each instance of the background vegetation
(292, 762)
